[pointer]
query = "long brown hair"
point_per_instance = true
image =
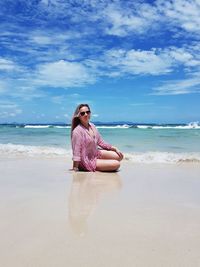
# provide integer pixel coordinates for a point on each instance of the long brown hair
(75, 118)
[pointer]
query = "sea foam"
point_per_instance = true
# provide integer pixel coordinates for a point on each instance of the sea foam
(191, 125)
(135, 157)
(12, 149)
(163, 157)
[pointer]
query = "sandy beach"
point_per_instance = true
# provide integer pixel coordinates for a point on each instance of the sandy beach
(143, 215)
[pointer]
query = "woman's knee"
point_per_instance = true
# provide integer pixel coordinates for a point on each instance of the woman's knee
(107, 165)
(111, 155)
(116, 164)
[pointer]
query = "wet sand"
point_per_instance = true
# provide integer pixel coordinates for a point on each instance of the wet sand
(143, 215)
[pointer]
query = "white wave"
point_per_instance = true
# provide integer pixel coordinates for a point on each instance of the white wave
(12, 149)
(163, 157)
(144, 126)
(137, 157)
(60, 127)
(46, 126)
(167, 127)
(37, 126)
(191, 125)
(176, 127)
(125, 126)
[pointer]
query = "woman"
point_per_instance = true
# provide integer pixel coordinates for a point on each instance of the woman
(85, 142)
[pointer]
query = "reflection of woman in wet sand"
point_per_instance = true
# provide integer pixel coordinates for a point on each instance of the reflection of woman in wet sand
(85, 142)
(86, 190)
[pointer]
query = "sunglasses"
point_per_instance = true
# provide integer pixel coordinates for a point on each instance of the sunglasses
(85, 112)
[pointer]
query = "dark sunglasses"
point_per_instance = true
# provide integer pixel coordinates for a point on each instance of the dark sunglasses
(85, 112)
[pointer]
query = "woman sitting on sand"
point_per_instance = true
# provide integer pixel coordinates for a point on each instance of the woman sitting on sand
(85, 142)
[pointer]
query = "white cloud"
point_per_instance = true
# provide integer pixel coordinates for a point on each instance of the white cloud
(151, 62)
(53, 53)
(140, 62)
(6, 114)
(124, 20)
(181, 13)
(63, 99)
(178, 87)
(75, 95)
(147, 62)
(20, 88)
(41, 39)
(7, 65)
(113, 63)
(58, 99)
(3, 87)
(95, 115)
(63, 74)
(142, 104)
(66, 115)
(9, 109)
(7, 106)
(50, 38)
(132, 18)
(181, 55)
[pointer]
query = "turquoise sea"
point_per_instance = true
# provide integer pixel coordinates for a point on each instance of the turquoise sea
(139, 143)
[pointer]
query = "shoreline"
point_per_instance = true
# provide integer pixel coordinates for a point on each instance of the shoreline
(136, 157)
(143, 215)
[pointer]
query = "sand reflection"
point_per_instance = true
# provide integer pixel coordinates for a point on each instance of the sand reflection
(86, 190)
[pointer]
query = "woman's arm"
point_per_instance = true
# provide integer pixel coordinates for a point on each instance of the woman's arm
(115, 149)
(101, 142)
(75, 165)
(76, 149)
(107, 146)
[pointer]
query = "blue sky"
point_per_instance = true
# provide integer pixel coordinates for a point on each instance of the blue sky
(134, 61)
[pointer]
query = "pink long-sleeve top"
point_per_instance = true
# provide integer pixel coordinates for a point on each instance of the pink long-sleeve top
(85, 147)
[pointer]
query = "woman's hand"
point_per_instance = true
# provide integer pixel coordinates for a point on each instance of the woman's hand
(75, 166)
(119, 153)
(74, 169)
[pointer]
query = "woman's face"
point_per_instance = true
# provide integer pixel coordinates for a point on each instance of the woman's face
(84, 115)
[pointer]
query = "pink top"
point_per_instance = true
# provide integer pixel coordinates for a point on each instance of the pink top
(85, 147)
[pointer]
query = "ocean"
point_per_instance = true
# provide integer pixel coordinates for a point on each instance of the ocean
(163, 143)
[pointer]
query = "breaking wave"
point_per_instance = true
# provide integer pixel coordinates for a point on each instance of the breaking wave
(135, 157)
(191, 125)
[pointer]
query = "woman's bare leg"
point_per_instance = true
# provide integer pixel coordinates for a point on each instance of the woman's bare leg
(107, 165)
(105, 154)
(109, 161)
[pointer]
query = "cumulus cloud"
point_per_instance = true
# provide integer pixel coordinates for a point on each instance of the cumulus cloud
(123, 21)
(136, 18)
(156, 61)
(63, 74)
(150, 62)
(113, 63)
(119, 18)
(56, 57)
(181, 13)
